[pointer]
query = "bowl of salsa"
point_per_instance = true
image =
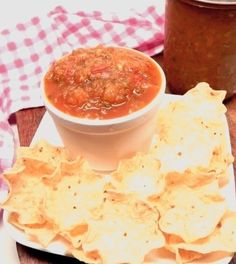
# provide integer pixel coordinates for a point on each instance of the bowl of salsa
(103, 101)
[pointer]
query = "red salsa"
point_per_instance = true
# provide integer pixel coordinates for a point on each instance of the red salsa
(102, 82)
(200, 44)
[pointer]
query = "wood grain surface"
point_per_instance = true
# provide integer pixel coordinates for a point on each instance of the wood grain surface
(27, 122)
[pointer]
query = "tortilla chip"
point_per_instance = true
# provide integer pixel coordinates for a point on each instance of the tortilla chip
(186, 256)
(223, 238)
(42, 151)
(127, 231)
(91, 257)
(27, 190)
(190, 213)
(199, 131)
(43, 233)
(81, 192)
(140, 176)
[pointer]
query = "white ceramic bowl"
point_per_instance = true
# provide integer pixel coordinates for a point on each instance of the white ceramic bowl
(105, 142)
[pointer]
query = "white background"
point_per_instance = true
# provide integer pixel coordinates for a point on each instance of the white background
(14, 11)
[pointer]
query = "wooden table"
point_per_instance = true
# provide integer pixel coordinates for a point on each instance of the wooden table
(27, 123)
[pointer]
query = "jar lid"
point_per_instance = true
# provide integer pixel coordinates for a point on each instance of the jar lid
(219, 2)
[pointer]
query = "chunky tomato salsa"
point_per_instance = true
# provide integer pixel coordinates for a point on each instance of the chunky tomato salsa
(102, 82)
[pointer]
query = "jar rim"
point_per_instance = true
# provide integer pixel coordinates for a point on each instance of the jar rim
(213, 4)
(218, 2)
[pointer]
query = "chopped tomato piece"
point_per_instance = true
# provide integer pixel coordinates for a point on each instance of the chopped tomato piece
(102, 82)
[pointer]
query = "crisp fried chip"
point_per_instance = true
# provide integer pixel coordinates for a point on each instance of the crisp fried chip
(191, 130)
(181, 255)
(126, 232)
(42, 151)
(139, 175)
(190, 213)
(185, 256)
(212, 103)
(223, 238)
(80, 190)
(27, 190)
(91, 257)
(200, 176)
(218, 245)
(42, 233)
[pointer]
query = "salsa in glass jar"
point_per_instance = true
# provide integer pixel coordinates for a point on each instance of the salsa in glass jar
(200, 44)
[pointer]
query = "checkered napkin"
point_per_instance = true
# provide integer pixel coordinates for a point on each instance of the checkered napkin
(27, 50)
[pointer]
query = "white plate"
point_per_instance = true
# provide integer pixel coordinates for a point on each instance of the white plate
(48, 131)
(8, 249)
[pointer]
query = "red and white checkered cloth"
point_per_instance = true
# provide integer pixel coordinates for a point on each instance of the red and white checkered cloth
(27, 50)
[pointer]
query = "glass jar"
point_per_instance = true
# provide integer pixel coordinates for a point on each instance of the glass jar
(200, 44)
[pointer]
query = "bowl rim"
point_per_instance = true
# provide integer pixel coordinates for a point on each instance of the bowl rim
(111, 121)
